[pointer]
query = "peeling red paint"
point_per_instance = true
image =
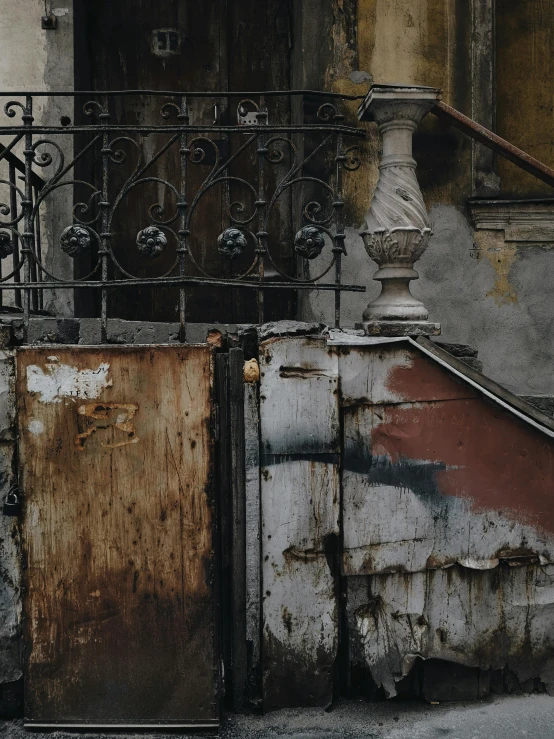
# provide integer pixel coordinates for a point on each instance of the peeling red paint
(490, 456)
(422, 379)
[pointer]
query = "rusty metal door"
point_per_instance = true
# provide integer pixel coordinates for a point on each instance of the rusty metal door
(115, 463)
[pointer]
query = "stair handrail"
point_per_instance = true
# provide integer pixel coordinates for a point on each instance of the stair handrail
(494, 142)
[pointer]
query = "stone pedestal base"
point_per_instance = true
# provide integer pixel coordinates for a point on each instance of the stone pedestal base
(400, 328)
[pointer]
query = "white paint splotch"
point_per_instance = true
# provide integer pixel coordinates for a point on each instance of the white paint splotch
(35, 426)
(56, 381)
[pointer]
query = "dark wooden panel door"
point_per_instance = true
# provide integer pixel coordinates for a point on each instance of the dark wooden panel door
(116, 455)
(185, 45)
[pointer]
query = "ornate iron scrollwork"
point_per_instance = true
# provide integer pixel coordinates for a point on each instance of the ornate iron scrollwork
(151, 241)
(75, 240)
(309, 242)
(250, 170)
(231, 243)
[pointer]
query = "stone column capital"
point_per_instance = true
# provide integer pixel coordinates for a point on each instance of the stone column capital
(397, 103)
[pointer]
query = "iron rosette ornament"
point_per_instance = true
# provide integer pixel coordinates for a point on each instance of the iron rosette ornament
(309, 242)
(151, 241)
(6, 246)
(75, 240)
(231, 243)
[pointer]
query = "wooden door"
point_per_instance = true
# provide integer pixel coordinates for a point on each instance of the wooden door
(187, 46)
(116, 459)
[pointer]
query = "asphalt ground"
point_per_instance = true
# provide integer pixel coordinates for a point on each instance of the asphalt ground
(507, 717)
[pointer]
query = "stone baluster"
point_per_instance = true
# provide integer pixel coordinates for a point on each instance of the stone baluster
(397, 225)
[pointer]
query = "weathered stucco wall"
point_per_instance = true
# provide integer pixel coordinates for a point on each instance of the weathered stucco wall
(486, 291)
(38, 60)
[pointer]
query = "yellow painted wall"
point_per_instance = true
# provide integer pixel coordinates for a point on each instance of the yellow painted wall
(423, 42)
(525, 88)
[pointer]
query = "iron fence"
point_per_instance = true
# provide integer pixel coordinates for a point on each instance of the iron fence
(137, 167)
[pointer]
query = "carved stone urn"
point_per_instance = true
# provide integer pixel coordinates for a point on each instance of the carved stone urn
(397, 225)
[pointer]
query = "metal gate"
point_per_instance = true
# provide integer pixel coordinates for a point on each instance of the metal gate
(116, 459)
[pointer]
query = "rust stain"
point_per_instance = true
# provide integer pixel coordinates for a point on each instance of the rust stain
(105, 415)
(481, 453)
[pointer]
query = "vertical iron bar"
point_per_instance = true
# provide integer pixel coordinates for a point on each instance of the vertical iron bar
(15, 237)
(105, 235)
(27, 207)
(338, 246)
(182, 247)
(261, 204)
(38, 246)
(34, 291)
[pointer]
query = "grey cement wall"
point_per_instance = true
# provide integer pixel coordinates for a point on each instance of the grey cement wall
(504, 310)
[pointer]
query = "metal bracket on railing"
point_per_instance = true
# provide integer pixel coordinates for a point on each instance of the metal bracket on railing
(249, 113)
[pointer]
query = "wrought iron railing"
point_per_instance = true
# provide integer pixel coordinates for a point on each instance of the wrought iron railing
(140, 170)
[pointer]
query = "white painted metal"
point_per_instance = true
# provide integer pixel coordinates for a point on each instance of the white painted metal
(253, 522)
(300, 512)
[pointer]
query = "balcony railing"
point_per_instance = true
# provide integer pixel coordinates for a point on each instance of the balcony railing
(159, 190)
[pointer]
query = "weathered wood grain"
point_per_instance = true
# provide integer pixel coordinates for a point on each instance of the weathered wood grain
(300, 444)
(116, 455)
(389, 373)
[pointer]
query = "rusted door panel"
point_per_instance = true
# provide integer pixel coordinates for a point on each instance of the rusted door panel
(115, 456)
(429, 484)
